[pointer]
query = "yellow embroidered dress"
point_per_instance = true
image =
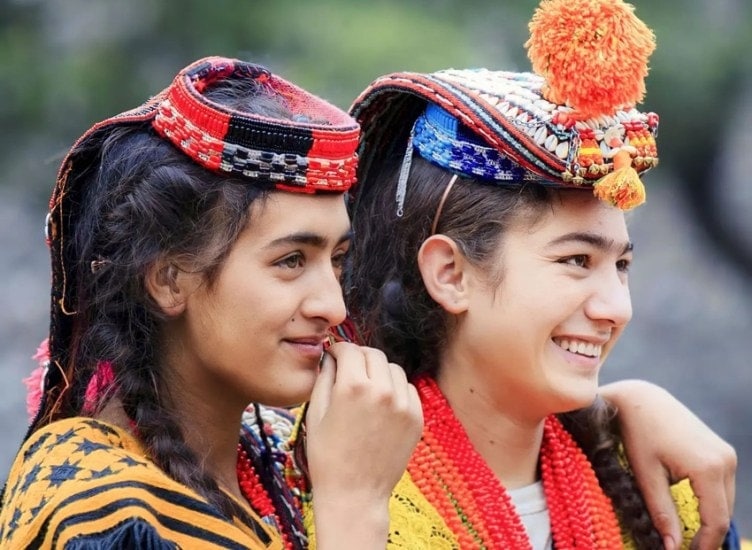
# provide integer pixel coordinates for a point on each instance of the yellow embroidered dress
(82, 483)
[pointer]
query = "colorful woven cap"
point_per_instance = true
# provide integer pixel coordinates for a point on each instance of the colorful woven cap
(501, 126)
(318, 155)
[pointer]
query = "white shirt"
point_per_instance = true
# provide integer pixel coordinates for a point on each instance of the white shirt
(530, 503)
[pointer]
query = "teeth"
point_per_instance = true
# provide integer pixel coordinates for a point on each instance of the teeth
(580, 347)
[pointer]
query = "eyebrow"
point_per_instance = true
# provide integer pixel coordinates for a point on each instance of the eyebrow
(308, 238)
(593, 239)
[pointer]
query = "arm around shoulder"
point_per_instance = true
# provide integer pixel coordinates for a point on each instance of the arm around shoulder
(665, 442)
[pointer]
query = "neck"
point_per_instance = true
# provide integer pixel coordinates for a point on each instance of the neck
(215, 448)
(509, 443)
(213, 437)
(208, 416)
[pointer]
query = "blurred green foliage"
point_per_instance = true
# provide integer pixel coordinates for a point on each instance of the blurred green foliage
(67, 63)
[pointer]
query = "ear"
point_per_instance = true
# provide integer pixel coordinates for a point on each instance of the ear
(443, 267)
(166, 283)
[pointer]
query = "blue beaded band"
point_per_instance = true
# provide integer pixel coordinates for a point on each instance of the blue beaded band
(440, 138)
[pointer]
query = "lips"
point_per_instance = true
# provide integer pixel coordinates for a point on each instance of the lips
(310, 347)
(308, 340)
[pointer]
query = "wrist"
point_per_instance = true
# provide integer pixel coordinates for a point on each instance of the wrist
(628, 392)
(346, 522)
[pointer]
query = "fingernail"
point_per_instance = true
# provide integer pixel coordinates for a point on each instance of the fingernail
(668, 542)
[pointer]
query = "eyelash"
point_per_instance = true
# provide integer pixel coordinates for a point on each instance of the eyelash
(297, 260)
(338, 259)
(572, 260)
(291, 261)
(622, 265)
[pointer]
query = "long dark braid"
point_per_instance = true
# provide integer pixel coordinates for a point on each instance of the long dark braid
(596, 431)
(159, 204)
(143, 201)
(394, 312)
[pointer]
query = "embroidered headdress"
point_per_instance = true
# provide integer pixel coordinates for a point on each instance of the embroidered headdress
(571, 123)
(314, 152)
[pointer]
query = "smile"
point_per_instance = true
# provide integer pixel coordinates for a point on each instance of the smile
(580, 347)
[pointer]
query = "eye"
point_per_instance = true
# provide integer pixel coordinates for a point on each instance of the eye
(291, 261)
(339, 258)
(623, 265)
(578, 260)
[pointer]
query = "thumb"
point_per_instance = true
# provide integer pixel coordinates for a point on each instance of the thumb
(321, 395)
(655, 490)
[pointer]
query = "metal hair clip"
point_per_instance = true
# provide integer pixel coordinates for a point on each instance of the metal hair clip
(96, 265)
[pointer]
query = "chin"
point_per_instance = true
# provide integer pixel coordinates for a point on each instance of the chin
(294, 392)
(577, 396)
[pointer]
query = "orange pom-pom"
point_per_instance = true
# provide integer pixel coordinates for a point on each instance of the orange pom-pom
(592, 53)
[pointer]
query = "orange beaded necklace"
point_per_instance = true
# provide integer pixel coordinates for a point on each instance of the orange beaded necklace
(474, 504)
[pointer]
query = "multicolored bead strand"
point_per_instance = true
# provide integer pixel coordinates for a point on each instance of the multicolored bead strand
(255, 493)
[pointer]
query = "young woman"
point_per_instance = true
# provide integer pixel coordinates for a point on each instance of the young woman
(197, 244)
(491, 261)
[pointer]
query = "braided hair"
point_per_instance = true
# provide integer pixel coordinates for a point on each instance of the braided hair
(141, 201)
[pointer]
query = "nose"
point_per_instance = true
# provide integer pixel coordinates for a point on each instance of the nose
(610, 300)
(325, 299)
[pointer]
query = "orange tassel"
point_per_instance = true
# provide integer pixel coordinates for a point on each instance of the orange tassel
(621, 188)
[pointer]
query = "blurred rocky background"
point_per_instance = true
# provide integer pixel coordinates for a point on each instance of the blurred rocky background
(68, 63)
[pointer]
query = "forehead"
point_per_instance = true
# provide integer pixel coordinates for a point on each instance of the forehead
(285, 213)
(578, 211)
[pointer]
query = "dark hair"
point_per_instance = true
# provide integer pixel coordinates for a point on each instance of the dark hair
(142, 201)
(385, 290)
(393, 311)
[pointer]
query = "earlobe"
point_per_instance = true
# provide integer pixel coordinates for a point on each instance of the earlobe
(443, 268)
(163, 282)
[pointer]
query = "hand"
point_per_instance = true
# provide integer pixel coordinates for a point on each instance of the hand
(665, 442)
(363, 422)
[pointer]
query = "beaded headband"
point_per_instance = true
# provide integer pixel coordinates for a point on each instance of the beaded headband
(572, 125)
(314, 152)
(440, 138)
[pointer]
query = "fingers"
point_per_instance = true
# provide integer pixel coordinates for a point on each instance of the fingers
(321, 395)
(358, 380)
(414, 405)
(365, 418)
(351, 364)
(664, 438)
(715, 524)
(715, 506)
(653, 483)
(362, 370)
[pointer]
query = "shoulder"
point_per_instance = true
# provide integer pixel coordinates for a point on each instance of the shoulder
(81, 481)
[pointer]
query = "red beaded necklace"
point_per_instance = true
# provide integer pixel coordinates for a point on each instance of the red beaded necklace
(255, 493)
(457, 481)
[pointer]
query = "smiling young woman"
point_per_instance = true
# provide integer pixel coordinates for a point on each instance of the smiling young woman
(491, 261)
